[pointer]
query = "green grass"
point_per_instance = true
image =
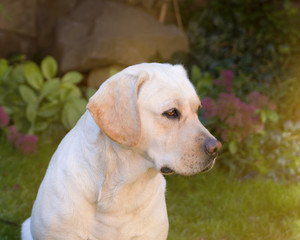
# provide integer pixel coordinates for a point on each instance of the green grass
(209, 206)
(214, 207)
(20, 177)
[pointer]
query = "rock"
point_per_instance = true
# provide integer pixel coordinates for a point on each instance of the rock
(101, 33)
(98, 75)
(17, 27)
(49, 12)
(15, 43)
(18, 16)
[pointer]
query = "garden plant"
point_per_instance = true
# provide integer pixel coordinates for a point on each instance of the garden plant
(35, 103)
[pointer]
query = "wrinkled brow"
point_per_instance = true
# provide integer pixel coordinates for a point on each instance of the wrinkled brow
(172, 103)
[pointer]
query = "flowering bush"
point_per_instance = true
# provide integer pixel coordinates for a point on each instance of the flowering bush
(240, 116)
(26, 143)
(239, 119)
(226, 80)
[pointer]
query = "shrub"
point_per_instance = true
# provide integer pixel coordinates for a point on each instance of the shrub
(258, 38)
(246, 49)
(286, 92)
(246, 124)
(37, 101)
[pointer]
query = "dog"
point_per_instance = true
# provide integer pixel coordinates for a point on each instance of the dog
(105, 181)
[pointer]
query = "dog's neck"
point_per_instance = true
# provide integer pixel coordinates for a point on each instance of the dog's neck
(120, 167)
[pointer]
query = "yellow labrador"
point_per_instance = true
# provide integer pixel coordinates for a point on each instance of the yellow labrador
(105, 179)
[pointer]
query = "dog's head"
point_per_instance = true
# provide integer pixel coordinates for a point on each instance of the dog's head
(154, 108)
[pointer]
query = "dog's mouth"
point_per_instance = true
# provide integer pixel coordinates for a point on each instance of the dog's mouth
(166, 171)
(209, 166)
(169, 171)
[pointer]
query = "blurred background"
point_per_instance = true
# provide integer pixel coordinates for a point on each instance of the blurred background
(242, 57)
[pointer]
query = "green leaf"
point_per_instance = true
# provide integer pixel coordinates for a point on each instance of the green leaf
(49, 87)
(17, 74)
(263, 116)
(63, 94)
(48, 110)
(273, 116)
(80, 105)
(31, 112)
(90, 92)
(16, 58)
(33, 75)
(74, 93)
(3, 68)
(49, 67)
(69, 91)
(8, 110)
(113, 71)
(207, 80)
(41, 126)
(65, 116)
(195, 74)
(3, 12)
(28, 94)
(72, 111)
(73, 77)
(233, 147)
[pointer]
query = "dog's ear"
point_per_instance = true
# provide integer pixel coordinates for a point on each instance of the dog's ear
(114, 107)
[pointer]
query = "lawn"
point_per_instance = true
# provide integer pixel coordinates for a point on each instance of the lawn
(211, 206)
(214, 206)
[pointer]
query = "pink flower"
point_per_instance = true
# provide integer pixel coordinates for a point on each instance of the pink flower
(209, 107)
(226, 80)
(217, 82)
(27, 143)
(4, 118)
(227, 76)
(13, 134)
(261, 101)
(239, 118)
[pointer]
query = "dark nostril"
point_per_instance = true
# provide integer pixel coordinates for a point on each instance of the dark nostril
(212, 146)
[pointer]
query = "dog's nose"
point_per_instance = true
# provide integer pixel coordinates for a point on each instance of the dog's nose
(212, 146)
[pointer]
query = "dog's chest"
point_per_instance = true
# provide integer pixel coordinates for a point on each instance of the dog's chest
(135, 211)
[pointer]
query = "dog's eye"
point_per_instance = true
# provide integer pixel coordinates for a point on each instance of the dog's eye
(172, 113)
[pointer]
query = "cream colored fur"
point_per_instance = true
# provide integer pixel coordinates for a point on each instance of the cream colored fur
(104, 180)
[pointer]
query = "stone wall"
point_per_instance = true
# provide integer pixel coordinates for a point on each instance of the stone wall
(91, 36)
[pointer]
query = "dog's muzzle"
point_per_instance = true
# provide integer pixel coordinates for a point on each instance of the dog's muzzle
(209, 165)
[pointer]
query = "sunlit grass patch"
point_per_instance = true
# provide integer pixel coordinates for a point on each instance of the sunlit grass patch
(214, 206)
(20, 177)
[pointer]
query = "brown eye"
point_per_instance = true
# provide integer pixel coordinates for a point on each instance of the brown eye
(172, 113)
